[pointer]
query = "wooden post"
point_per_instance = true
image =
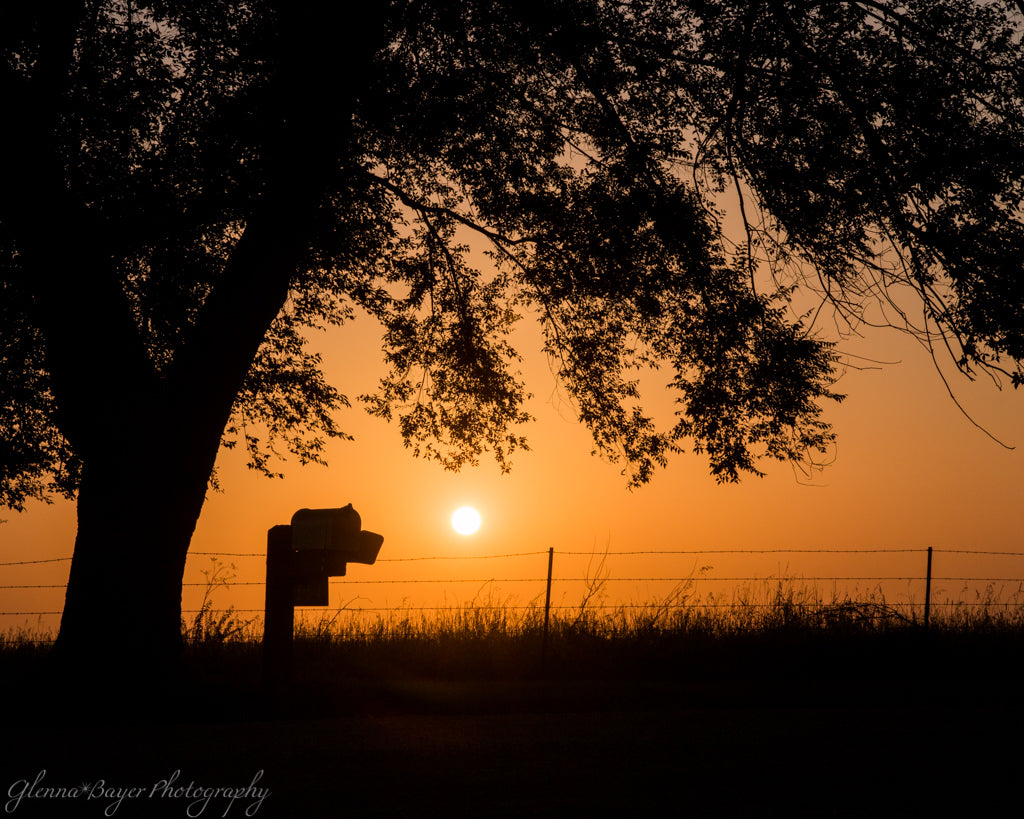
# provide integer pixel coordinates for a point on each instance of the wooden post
(928, 590)
(547, 604)
(279, 616)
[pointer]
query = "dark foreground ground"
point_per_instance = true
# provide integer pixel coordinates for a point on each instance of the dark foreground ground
(753, 742)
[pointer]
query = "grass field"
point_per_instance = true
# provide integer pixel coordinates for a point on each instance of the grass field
(775, 705)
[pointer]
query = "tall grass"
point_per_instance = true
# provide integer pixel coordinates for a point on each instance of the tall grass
(778, 624)
(772, 605)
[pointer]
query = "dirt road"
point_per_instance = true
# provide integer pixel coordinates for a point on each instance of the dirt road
(436, 749)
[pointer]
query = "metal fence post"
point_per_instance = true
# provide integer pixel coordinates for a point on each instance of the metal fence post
(547, 605)
(928, 590)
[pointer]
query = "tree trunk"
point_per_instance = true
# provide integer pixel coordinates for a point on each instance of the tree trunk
(137, 509)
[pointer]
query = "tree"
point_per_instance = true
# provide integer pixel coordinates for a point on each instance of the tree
(189, 187)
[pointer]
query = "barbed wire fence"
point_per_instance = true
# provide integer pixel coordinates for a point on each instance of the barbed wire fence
(594, 581)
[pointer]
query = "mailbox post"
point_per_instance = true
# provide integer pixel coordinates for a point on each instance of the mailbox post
(301, 557)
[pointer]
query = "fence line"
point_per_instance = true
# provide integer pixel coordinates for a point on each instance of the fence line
(599, 578)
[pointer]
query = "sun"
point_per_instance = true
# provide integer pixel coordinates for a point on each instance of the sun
(465, 520)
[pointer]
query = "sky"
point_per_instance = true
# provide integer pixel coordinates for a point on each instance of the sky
(909, 471)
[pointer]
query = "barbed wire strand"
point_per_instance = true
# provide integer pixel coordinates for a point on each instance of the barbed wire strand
(765, 578)
(325, 612)
(651, 552)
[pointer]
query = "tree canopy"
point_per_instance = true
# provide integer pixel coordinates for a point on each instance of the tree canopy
(188, 188)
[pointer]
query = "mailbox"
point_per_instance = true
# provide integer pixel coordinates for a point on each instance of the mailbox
(301, 556)
(323, 541)
(337, 532)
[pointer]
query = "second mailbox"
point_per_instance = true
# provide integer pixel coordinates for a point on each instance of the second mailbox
(323, 541)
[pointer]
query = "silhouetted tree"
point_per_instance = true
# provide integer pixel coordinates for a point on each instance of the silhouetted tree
(189, 187)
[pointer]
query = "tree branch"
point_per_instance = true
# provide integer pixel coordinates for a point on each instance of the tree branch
(424, 208)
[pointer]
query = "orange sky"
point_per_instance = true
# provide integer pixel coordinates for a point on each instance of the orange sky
(910, 472)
